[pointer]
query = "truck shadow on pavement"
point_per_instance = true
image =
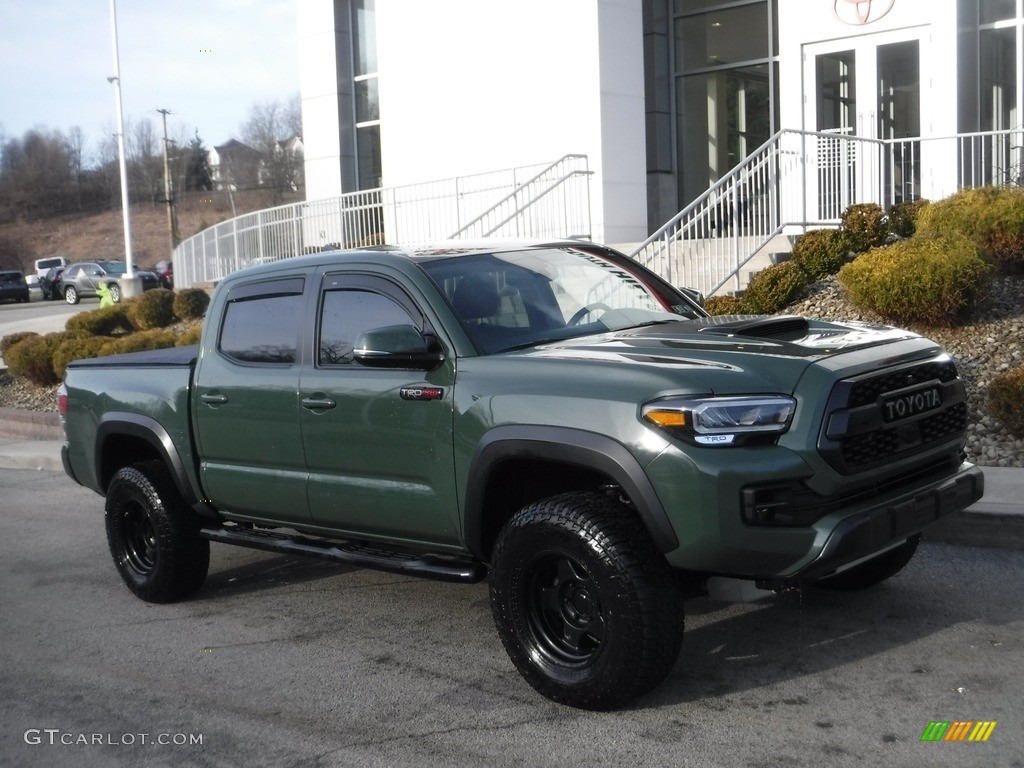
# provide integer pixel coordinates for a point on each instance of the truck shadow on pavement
(732, 648)
(263, 572)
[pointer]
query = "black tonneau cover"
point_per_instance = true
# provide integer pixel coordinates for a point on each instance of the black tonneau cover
(152, 358)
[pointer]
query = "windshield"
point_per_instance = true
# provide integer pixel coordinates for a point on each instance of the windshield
(522, 298)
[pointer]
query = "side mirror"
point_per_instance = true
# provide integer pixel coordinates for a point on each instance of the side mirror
(398, 346)
(693, 295)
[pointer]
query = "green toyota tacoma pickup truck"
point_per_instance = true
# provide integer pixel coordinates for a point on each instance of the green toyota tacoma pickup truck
(553, 417)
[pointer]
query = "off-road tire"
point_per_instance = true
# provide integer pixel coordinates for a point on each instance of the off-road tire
(153, 535)
(71, 295)
(873, 571)
(587, 608)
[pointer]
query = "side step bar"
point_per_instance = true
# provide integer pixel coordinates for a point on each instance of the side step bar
(350, 553)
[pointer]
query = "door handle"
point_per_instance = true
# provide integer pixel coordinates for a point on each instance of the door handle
(317, 403)
(214, 399)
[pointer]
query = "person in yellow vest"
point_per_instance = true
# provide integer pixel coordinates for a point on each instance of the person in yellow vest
(106, 300)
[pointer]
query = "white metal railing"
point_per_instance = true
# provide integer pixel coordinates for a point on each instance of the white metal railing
(802, 179)
(543, 200)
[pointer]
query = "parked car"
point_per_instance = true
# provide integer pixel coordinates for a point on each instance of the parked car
(82, 280)
(42, 265)
(13, 286)
(165, 271)
(51, 285)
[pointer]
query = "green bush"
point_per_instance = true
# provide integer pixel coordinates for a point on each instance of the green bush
(992, 217)
(108, 321)
(76, 348)
(773, 288)
(865, 226)
(189, 336)
(1006, 399)
(32, 359)
(155, 338)
(821, 252)
(153, 309)
(191, 303)
(11, 339)
(934, 280)
(724, 305)
(903, 217)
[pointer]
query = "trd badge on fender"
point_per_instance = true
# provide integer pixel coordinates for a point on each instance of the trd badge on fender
(422, 393)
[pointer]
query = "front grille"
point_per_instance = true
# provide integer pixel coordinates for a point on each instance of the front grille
(863, 429)
(868, 391)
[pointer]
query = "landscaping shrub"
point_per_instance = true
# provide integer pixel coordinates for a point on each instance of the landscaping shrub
(821, 252)
(1006, 399)
(11, 339)
(992, 217)
(865, 226)
(32, 359)
(934, 280)
(191, 303)
(155, 338)
(773, 288)
(76, 348)
(153, 309)
(109, 321)
(189, 336)
(724, 305)
(903, 217)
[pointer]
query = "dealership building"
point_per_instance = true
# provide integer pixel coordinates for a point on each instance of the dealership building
(662, 97)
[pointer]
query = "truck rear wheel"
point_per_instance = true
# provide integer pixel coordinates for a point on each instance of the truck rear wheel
(587, 608)
(153, 535)
(874, 571)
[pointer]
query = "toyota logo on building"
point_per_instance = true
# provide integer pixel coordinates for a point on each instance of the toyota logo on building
(859, 12)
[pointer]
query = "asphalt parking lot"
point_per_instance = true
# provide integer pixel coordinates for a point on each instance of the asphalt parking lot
(286, 662)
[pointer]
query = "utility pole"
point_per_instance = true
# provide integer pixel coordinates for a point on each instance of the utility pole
(172, 215)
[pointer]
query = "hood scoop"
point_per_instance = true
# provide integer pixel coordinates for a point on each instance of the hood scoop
(785, 328)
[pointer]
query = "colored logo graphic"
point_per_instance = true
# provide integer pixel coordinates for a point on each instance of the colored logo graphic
(958, 730)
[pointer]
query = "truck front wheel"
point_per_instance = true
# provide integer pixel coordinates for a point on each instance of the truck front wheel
(153, 535)
(588, 610)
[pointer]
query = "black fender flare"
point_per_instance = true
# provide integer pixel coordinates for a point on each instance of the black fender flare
(117, 424)
(568, 446)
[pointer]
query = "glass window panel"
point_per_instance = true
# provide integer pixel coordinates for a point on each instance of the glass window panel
(837, 88)
(367, 108)
(346, 314)
(261, 330)
(723, 117)
(995, 10)
(998, 78)
(365, 37)
(722, 37)
(368, 147)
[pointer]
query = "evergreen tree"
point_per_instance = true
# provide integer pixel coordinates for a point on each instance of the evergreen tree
(198, 174)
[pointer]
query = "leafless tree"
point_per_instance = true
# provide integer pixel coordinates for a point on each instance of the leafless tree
(270, 130)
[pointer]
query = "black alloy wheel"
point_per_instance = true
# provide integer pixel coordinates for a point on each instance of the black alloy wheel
(588, 609)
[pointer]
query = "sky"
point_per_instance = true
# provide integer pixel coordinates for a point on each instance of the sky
(207, 61)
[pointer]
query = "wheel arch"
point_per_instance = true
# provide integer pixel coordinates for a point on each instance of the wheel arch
(123, 439)
(515, 465)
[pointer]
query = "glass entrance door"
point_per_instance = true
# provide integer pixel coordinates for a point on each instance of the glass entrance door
(865, 93)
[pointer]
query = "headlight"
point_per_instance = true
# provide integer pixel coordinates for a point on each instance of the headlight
(723, 420)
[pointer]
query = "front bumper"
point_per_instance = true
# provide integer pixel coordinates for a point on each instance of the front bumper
(865, 533)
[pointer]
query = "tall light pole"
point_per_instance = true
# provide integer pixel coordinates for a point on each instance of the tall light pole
(130, 284)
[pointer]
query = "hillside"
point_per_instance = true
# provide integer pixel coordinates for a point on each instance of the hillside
(101, 235)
